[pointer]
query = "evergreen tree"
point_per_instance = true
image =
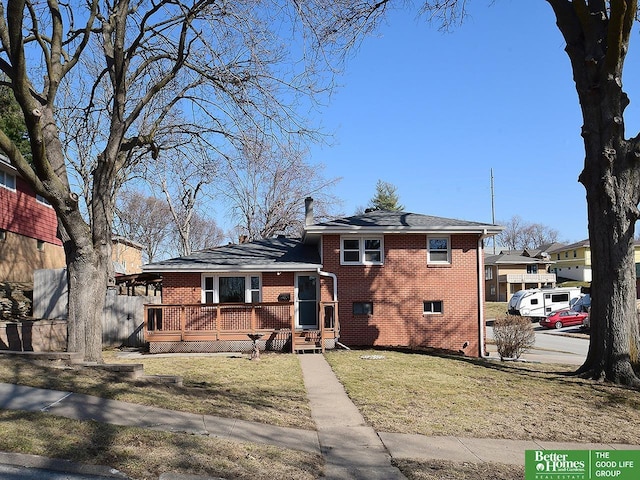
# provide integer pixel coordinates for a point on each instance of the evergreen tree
(12, 121)
(385, 198)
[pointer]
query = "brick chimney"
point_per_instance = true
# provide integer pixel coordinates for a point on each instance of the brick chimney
(308, 211)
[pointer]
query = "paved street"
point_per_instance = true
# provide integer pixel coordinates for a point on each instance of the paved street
(11, 472)
(567, 345)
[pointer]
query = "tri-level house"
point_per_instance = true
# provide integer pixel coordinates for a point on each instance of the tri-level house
(383, 278)
(510, 271)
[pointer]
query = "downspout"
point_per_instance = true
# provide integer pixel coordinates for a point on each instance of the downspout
(335, 299)
(481, 325)
(335, 282)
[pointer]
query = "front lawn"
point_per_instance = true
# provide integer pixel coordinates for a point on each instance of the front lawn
(461, 396)
(269, 391)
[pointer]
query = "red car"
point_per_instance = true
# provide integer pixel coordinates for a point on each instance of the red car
(563, 318)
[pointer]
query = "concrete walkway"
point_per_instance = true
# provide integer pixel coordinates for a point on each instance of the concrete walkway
(351, 448)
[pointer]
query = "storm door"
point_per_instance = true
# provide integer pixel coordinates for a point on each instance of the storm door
(307, 302)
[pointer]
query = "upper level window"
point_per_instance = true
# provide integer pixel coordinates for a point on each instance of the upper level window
(438, 250)
(532, 268)
(7, 180)
(575, 254)
(361, 250)
(41, 199)
(231, 289)
(488, 273)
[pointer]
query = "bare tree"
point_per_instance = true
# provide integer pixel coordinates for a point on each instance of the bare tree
(511, 236)
(519, 234)
(265, 187)
(203, 233)
(146, 220)
(129, 73)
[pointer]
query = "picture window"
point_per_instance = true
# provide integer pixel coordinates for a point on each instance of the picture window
(231, 289)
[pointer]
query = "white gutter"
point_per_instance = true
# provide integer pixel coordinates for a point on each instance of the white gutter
(481, 321)
(335, 282)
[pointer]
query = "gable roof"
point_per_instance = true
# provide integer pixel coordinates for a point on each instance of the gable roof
(271, 254)
(388, 221)
(513, 259)
(572, 246)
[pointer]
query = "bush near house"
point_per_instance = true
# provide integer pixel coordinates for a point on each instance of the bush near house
(513, 335)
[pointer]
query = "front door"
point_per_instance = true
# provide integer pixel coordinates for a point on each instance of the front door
(307, 302)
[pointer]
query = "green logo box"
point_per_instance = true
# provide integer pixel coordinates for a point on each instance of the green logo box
(582, 464)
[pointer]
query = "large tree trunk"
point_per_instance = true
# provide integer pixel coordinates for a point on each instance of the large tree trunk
(87, 293)
(597, 35)
(87, 286)
(613, 349)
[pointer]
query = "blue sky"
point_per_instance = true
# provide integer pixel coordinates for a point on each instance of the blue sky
(433, 113)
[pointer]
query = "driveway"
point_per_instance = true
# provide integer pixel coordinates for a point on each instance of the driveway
(567, 345)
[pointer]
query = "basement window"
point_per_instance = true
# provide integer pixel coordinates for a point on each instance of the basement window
(432, 307)
(362, 308)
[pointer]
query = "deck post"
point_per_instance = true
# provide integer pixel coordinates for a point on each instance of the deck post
(321, 324)
(218, 319)
(183, 322)
(253, 318)
(292, 317)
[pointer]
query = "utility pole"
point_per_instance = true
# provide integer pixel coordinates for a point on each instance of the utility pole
(493, 212)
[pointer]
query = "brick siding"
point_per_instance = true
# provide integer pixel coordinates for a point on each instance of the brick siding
(398, 288)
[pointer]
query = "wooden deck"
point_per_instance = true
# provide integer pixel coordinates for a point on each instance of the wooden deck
(235, 322)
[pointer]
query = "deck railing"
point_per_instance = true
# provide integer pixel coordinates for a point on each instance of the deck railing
(229, 321)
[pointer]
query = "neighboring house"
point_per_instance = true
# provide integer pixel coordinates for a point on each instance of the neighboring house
(574, 261)
(29, 233)
(383, 278)
(510, 271)
(28, 229)
(127, 255)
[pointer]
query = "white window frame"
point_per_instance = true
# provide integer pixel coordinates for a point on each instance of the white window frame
(215, 291)
(42, 201)
(488, 272)
(439, 262)
(3, 180)
(362, 240)
(432, 311)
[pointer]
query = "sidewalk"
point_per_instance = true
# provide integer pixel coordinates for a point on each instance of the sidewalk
(351, 448)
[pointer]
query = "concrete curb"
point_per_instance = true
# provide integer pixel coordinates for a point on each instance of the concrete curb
(58, 465)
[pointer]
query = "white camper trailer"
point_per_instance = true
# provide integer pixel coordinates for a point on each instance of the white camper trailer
(540, 302)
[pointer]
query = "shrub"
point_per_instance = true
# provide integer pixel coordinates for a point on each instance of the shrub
(513, 335)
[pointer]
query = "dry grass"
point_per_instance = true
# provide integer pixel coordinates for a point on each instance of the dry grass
(442, 470)
(269, 391)
(431, 395)
(493, 310)
(145, 454)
